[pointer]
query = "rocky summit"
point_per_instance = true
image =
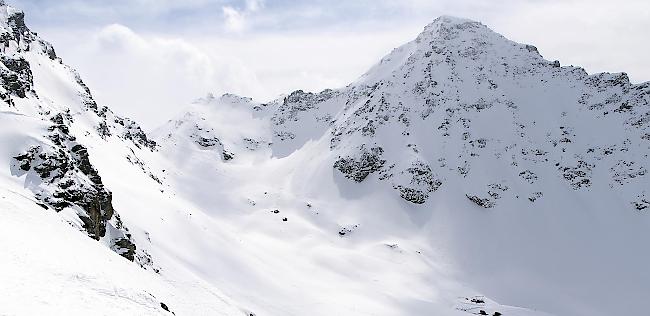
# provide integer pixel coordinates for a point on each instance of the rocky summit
(463, 174)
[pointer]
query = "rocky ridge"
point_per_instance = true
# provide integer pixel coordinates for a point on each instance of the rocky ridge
(59, 169)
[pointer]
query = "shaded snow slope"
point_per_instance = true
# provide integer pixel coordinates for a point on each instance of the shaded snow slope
(461, 171)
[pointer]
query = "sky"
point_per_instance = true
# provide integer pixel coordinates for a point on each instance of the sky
(149, 59)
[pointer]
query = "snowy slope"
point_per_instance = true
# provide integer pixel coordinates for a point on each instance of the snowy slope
(461, 171)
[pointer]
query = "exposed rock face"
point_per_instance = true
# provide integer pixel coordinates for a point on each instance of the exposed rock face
(111, 124)
(125, 248)
(578, 176)
(358, 167)
(420, 183)
(206, 138)
(299, 101)
(71, 181)
(133, 132)
(482, 202)
(16, 78)
(16, 21)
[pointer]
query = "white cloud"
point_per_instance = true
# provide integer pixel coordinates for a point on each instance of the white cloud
(254, 5)
(151, 77)
(235, 20)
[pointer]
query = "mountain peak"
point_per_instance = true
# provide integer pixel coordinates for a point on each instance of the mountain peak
(9, 10)
(451, 20)
(449, 27)
(13, 27)
(451, 41)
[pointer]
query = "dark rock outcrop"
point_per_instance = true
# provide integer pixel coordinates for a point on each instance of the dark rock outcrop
(69, 180)
(421, 183)
(482, 202)
(16, 76)
(357, 168)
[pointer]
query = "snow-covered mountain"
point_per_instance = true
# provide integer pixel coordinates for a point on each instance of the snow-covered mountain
(461, 171)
